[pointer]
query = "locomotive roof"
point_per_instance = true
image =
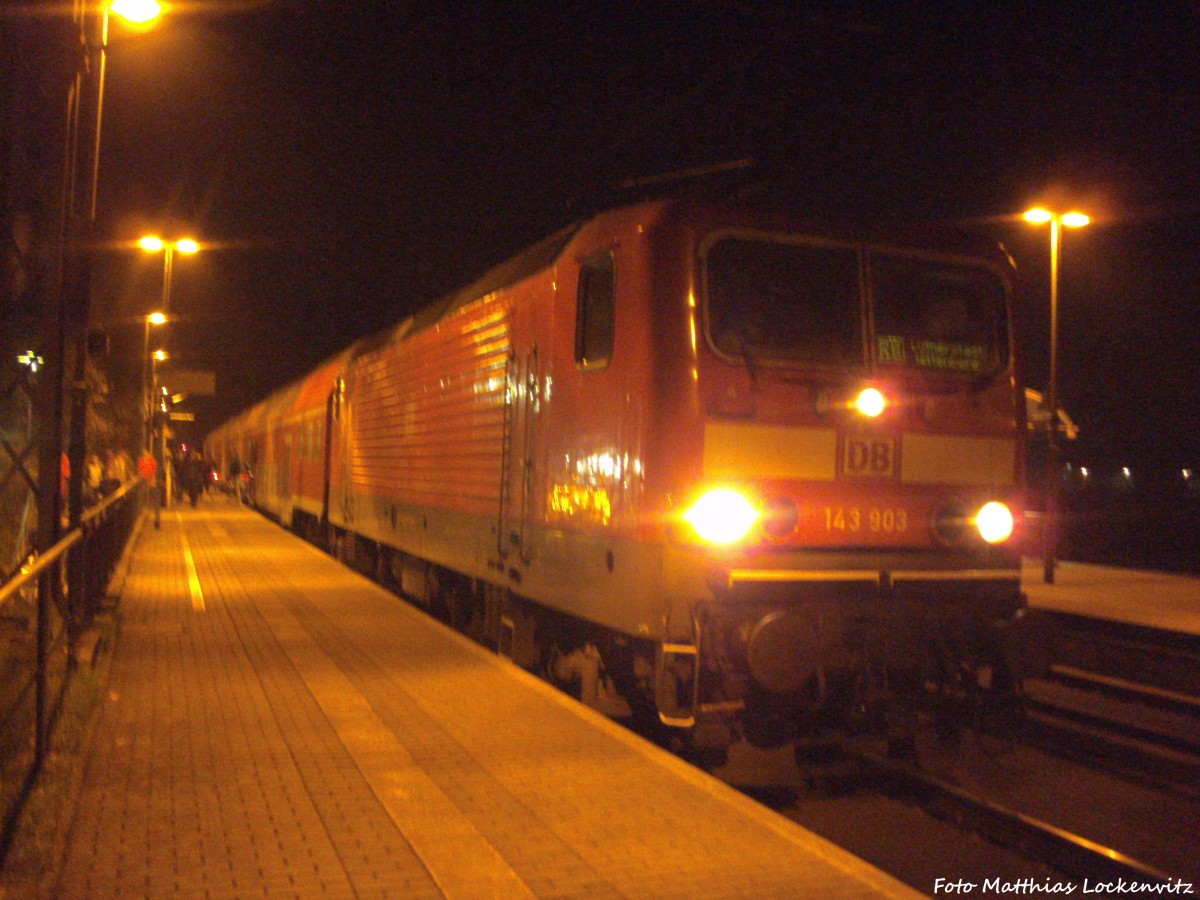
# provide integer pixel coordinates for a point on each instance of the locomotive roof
(542, 254)
(527, 262)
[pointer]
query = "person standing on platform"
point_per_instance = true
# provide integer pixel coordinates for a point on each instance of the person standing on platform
(112, 478)
(193, 475)
(148, 472)
(235, 472)
(94, 477)
(210, 476)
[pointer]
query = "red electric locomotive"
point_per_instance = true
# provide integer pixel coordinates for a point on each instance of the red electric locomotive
(751, 474)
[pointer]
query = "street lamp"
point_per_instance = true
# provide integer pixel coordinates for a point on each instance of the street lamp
(1057, 221)
(154, 244)
(155, 318)
(158, 407)
(137, 12)
(67, 305)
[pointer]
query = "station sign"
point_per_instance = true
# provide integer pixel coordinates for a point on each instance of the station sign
(197, 382)
(182, 417)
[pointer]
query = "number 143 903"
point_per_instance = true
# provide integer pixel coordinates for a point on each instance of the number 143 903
(872, 520)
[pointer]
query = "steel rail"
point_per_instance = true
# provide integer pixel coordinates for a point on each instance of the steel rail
(1154, 658)
(1144, 754)
(1071, 854)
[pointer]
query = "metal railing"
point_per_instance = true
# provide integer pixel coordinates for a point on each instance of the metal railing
(45, 610)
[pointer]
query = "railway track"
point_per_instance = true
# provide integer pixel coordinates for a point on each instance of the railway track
(1163, 664)
(1125, 698)
(1119, 705)
(1071, 854)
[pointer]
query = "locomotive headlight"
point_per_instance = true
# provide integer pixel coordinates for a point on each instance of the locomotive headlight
(722, 516)
(870, 402)
(995, 522)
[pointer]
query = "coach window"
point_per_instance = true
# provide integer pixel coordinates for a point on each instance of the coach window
(595, 317)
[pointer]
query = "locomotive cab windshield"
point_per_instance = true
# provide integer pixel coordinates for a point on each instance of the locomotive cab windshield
(815, 303)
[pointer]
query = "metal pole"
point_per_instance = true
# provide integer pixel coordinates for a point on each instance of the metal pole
(50, 455)
(164, 468)
(1050, 530)
(168, 266)
(146, 409)
(93, 20)
(156, 445)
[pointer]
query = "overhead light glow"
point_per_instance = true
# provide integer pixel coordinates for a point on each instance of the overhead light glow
(722, 516)
(151, 243)
(1040, 216)
(136, 12)
(187, 245)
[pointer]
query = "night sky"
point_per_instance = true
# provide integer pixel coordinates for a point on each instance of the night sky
(348, 162)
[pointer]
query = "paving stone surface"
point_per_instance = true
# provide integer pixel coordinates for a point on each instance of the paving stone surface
(277, 726)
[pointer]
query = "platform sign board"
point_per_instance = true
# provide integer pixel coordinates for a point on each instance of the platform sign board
(197, 382)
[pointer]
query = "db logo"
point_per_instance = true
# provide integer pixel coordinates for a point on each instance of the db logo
(869, 457)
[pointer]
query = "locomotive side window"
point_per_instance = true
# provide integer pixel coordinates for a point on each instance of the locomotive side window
(788, 302)
(595, 316)
(937, 316)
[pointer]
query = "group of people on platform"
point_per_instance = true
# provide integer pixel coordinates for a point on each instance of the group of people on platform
(193, 476)
(103, 473)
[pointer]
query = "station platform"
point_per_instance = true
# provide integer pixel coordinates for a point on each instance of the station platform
(275, 725)
(1150, 599)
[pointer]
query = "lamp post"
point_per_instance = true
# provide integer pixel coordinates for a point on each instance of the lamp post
(154, 244)
(66, 305)
(155, 318)
(1057, 221)
(156, 357)
(159, 448)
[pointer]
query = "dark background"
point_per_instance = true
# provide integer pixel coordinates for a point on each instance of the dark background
(346, 162)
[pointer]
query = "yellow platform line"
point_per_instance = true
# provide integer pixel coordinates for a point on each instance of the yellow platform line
(193, 579)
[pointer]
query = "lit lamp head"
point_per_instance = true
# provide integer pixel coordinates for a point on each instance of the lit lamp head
(1040, 216)
(152, 243)
(139, 13)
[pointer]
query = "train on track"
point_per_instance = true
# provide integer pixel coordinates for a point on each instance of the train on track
(712, 466)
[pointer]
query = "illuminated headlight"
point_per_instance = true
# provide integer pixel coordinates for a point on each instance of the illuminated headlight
(722, 516)
(871, 403)
(995, 522)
